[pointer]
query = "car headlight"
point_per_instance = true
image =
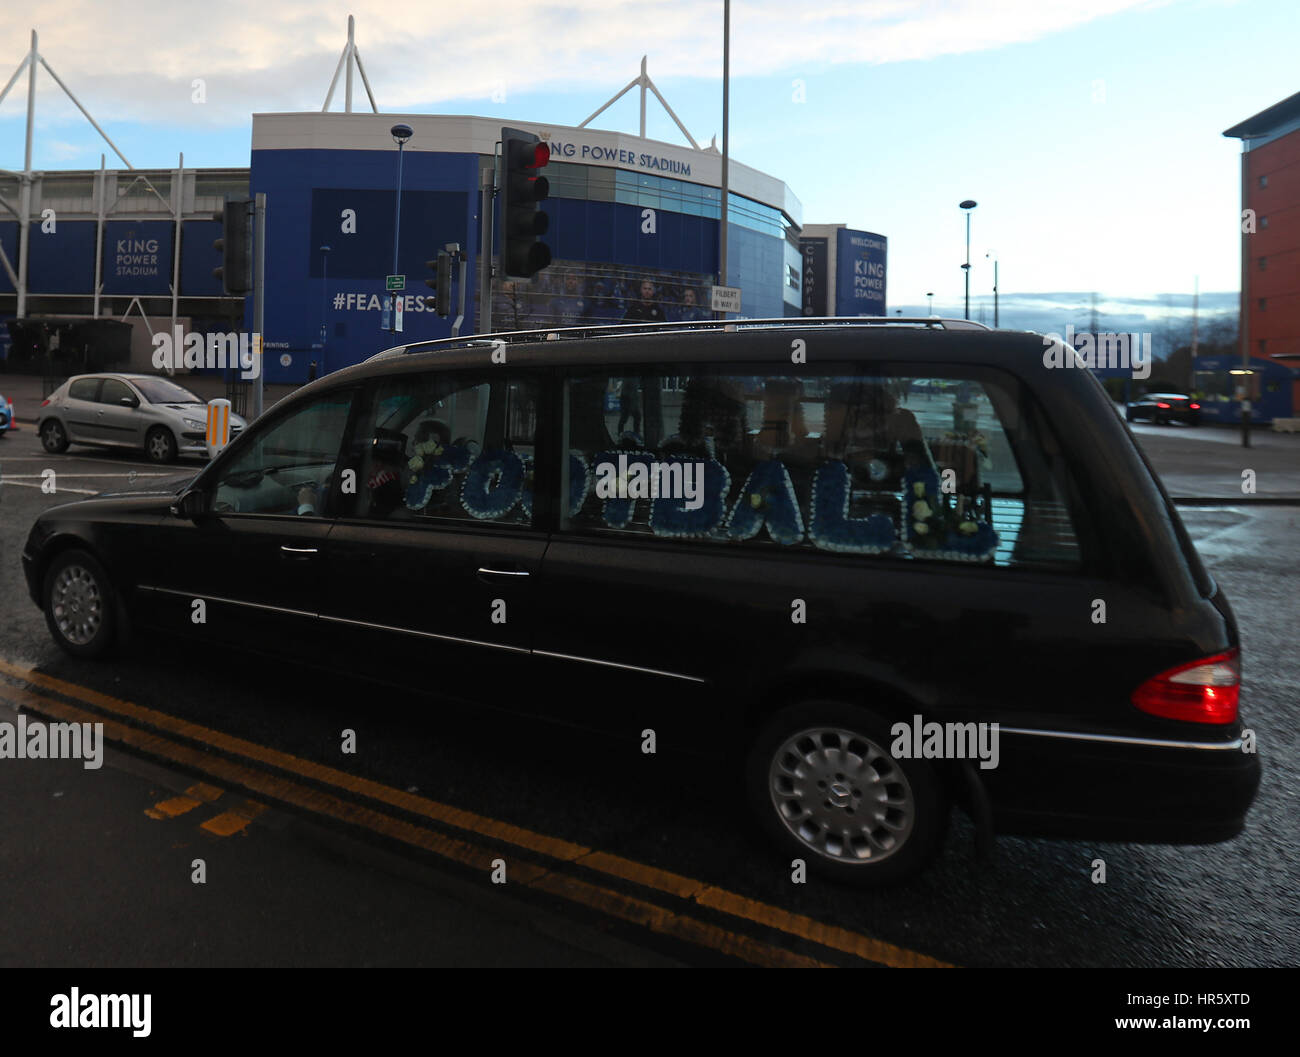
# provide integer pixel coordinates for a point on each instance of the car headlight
(194, 423)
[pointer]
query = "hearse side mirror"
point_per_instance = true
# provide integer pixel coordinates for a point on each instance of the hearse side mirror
(129, 401)
(191, 504)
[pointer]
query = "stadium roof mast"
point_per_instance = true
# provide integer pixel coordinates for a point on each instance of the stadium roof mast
(349, 56)
(644, 82)
(25, 178)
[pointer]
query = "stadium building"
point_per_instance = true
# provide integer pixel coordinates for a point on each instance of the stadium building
(114, 256)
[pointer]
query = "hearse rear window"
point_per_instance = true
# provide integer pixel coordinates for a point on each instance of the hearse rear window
(940, 467)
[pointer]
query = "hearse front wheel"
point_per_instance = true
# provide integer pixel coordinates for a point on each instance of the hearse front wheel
(80, 604)
(825, 789)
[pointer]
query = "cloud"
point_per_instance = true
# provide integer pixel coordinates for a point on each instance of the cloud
(140, 63)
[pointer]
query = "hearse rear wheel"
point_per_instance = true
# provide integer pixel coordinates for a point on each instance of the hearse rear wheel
(824, 788)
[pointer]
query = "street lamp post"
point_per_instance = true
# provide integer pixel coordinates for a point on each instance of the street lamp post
(400, 133)
(967, 205)
(930, 295)
(995, 287)
(324, 296)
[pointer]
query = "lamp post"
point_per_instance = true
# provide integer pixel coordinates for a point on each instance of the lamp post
(324, 296)
(995, 286)
(400, 133)
(930, 295)
(967, 204)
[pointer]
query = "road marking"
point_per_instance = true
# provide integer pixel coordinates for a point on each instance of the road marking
(228, 823)
(628, 908)
(78, 476)
(521, 871)
(195, 796)
(61, 488)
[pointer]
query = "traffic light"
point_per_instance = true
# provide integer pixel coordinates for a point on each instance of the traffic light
(441, 283)
(235, 246)
(522, 221)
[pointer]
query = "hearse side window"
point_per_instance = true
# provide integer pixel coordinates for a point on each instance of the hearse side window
(444, 445)
(289, 466)
(939, 466)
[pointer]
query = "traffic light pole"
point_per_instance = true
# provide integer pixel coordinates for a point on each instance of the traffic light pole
(463, 259)
(259, 299)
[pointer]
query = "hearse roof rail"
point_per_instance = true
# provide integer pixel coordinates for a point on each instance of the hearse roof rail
(616, 330)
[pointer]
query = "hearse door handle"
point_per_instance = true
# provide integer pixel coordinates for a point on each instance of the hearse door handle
(486, 571)
(296, 552)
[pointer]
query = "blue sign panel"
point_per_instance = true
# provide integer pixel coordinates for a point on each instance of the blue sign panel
(199, 259)
(815, 264)
(138, 257)
(357, 225)
(61, 261)
(9, 240)
(860, 273)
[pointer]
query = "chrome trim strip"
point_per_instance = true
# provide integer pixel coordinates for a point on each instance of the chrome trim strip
(1164, 743)
(227, 601)
(615, 664)
(422, 634)
(337, 620)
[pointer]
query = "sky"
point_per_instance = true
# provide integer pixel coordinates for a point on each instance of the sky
(1089, 133)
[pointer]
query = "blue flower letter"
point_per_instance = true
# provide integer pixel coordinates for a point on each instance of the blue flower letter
(832, 529)
(493, 485)
(670, 517)
(767, 498)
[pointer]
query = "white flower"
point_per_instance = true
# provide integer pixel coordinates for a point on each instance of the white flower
(416, 464)
(967, 528)
(921, 510)
(920, 528)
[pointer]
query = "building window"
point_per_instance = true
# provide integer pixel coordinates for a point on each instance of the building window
(1263, 303)
(1263, 222)
(1263, 264)
(1261, 346)
(1263, 181)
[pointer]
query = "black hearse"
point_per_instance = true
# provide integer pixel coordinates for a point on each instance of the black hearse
(888, 566)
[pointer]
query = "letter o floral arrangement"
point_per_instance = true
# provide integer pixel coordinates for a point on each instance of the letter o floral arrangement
(493, 484)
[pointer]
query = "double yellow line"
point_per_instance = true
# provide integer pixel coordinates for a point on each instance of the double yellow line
(128, 729)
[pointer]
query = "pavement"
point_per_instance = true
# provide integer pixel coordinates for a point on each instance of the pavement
(1196, 463)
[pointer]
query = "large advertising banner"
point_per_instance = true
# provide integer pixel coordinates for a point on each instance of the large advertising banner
(138, 257)
(357, 226)
(815, 276)
(572, 293)
(61, 258)
(860, 273)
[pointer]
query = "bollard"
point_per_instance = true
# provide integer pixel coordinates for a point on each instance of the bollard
(218, 426)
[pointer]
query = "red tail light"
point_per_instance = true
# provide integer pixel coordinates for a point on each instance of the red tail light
(1203, 691)
(1195, 407)
(1163, 407)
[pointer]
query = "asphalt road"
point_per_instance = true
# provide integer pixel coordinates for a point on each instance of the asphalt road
(612, 857)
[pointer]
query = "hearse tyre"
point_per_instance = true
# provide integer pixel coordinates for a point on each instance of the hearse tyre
(80, 604)
(822, 785)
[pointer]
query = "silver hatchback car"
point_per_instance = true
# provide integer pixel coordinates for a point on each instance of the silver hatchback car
(127, 411)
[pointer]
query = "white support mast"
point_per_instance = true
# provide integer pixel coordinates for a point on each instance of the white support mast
(350, 55)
